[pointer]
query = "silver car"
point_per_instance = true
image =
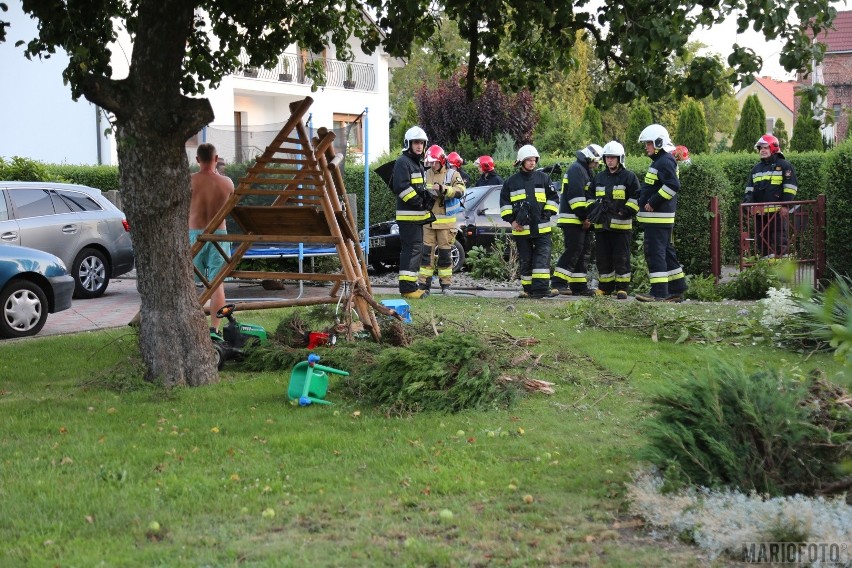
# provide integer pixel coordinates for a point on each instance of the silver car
(74, 222)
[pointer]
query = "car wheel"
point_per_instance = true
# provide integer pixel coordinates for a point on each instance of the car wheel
(91, 274)
(24, 309)
(457, 255)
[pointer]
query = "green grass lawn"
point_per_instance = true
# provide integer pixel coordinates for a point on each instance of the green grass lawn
(85, 470)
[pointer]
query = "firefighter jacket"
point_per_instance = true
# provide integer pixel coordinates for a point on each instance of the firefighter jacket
(772, 179)
(575, 194)
(529, 199)
(488, 178)
(448, 200)
(409, 185)
(618, 193)
(659, 188)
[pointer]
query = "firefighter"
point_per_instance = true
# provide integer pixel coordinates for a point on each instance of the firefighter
(487, 174)
(569, 276)
(527, 201)
(681, 155)
(413, 209)
(616, 192)
(657, 206)
(456, 162)
(447, 187)
(772, 180)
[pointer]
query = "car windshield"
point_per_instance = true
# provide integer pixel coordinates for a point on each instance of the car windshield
(474, 194)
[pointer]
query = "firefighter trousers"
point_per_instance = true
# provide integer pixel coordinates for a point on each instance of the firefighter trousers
(612, 250)
(410, 251)
(570, 271)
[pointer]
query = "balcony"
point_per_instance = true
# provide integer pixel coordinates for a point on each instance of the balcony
(291, 69)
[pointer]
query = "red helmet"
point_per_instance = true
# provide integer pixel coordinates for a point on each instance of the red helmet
(485, 164)
(455, 160)
(768, 140)
(681, 153)
(435, 154)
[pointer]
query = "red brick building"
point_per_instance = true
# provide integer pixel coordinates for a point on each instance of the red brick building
(835, 73)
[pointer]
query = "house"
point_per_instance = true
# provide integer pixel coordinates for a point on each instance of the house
(835, 72)
(40, 120)
(777, 99)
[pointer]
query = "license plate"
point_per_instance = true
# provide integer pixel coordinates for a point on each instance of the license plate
(377, 242)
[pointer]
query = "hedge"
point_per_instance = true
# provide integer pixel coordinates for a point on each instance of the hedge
(104, 178)
(838, 193)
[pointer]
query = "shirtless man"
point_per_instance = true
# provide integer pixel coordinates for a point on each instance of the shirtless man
(210, 191)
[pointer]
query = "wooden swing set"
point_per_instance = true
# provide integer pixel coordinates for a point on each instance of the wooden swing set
(302, 179)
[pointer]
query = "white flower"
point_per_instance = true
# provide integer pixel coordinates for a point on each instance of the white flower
(777, 307)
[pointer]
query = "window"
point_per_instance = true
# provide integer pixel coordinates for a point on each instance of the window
(354, 131)
(31, 202)
(770, 124)
(76, 201)
(835, 109)
(4, 211)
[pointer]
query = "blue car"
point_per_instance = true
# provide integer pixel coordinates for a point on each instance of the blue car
(32, 284)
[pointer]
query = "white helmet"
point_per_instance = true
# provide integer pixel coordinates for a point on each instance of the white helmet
(613, 149)
(592, 152)
(527, 151)
(412, 134)
(656, 134)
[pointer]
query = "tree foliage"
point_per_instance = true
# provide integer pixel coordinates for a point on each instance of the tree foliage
(806, 132)
(592, 125)
(640, 117)
(445, 113)
(751, 127)
(692, 128)
(780, 132)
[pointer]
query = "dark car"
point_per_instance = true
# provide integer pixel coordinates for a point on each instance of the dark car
(33, 283)
(479, 224)
(74, 222)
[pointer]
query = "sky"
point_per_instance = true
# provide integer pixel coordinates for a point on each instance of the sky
(721, 37)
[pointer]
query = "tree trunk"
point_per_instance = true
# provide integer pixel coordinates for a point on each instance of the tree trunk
(153, 121)
(173, 335)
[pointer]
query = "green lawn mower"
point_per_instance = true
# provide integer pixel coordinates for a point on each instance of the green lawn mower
(235, 338)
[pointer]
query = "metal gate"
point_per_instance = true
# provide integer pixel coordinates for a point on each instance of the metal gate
(793, 230)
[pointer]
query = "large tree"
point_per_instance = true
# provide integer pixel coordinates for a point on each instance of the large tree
(181, 47)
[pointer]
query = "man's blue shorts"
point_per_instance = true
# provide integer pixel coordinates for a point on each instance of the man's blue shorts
(208, 261)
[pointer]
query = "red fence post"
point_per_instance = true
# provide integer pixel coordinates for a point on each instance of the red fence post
(715, 239)
(819, 269)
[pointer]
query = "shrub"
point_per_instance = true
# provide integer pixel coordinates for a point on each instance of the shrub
(702, 288)
(640, 117)
(763, 431)
(827, 317)
(753, 282)
(838, 169)
(751, 127)
(104, 178)
(692, 128)
(24, 169)
(501, 263)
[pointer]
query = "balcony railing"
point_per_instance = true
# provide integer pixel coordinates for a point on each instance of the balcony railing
(291, 69)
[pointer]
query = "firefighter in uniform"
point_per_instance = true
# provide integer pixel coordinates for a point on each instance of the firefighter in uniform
(486, 168)
(569, 276)
(657, 206)
(447, 187)
(527, 201)
(413, 209)
(455, 161)
(773, 179)
(617, 192)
